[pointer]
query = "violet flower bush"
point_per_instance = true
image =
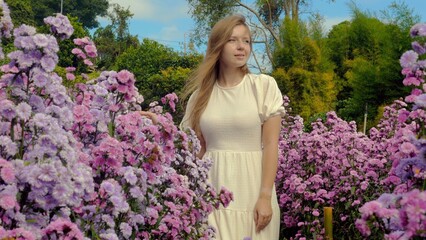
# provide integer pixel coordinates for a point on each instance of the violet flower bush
(402, 214)
(331, 166)
(82, 163)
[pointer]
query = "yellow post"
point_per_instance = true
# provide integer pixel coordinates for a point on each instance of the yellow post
(328, 223)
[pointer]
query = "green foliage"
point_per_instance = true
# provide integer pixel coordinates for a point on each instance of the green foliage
(366, 52)
(21, 12)
(113, 39)
(33, 12)
(78, 78)
(206, 13)
(172, 79)
(148, 62)
(302, 71)
(310, 92)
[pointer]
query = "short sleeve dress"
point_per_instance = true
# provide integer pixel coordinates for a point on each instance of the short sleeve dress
(232, 128)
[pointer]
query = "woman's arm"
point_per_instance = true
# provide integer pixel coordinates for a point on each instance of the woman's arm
(270, 136)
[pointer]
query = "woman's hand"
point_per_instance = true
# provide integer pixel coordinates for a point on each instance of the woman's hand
(150, 115)
(262, 213)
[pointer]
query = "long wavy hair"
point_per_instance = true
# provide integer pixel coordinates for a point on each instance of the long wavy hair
(205, 76)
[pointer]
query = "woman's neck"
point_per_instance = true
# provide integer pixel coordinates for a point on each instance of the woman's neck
(230, 77)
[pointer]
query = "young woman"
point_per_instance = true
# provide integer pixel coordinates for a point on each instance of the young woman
(237, 117)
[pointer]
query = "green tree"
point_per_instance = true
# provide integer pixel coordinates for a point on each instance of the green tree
(21, 12)
(33, 12)
(265, 19)
(113, 39)
(303, 71)
(148, 62)
(366, 53)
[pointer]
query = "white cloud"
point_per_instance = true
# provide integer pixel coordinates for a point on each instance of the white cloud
(170, 32)
(162, 11)
(332, 21)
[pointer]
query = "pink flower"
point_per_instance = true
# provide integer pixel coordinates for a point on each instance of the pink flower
(7, 202)
(408, 81)
(70, 69)
(78, 41)
(407, 147)
(88, 62)
(63, 227)
(70, 76)
(90, 50)
(124, 76)
(7, 173)
(370, 208)
(78, 52)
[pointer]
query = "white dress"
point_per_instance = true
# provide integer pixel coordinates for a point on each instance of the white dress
(231, 126)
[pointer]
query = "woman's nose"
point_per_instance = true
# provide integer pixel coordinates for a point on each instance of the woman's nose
(240, 44)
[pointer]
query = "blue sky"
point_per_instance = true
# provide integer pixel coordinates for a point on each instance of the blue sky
(168, 21)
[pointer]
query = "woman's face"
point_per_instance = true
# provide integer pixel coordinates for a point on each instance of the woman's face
(237, 50)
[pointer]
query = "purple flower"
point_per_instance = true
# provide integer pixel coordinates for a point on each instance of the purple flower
(6, 24)
(418, 29)
(108, 220)
(126, 230)
(108, 187)
(23, 110)
(37, 103)
(420, 101)
(60, 26)
(7, 109)
(48, 63)
(409, 59)
(418, 48)
(24, 30)
(8, 145)
(404, 168)
(62, 192)
(39, 77)
(25, 42)
(40, 40)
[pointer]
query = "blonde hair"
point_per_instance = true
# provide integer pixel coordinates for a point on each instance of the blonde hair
(205, 76)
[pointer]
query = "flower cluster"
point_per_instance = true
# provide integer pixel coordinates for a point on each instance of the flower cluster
(6, 24)
(84, 163)
(333, 165)
(402, 214)
(60, 26)
(42, 178)
(148, 180)
(36, 51)
(85, 50)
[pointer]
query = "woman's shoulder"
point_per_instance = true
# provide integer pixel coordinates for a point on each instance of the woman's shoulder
(261, 79)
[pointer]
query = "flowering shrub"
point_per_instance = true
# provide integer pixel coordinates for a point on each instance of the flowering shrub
(402, 214)
(83, 163)
(333, 165)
